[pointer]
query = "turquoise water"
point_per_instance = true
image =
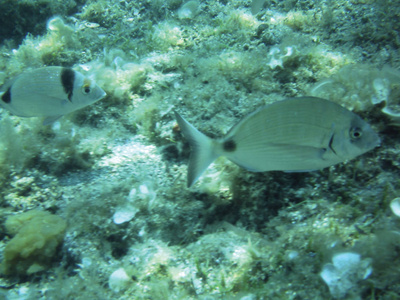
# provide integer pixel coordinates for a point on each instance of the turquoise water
(115, 171)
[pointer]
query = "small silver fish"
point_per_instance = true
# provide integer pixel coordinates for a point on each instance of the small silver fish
(256, 6)
(49, 92)
(294, 135)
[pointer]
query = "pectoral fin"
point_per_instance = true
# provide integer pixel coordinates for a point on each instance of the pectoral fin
(51, 120)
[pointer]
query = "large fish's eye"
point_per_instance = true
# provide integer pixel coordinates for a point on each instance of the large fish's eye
(355, 133)
(86, 89)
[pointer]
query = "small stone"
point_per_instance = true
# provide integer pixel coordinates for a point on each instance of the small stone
(395, 206)
(124, 214)
(119, 280)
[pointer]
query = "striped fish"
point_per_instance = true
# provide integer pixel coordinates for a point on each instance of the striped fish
(49, 92)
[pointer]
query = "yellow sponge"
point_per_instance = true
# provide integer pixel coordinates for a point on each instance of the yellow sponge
(37, 235)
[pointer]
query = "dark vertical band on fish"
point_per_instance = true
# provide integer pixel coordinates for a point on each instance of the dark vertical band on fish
(6, 97)
(67, 81)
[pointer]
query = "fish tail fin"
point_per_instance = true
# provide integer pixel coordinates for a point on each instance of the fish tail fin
(203, 150)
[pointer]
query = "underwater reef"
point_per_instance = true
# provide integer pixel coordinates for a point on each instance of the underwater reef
(96, 204)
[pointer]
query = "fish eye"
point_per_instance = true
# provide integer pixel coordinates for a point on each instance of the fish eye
(355, 133)
(86, 89)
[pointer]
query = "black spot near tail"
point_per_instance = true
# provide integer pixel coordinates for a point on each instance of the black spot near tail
(67, 81)
(6, 97)
(229, 145)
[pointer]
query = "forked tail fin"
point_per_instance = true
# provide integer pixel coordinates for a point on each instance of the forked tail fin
(202, 150)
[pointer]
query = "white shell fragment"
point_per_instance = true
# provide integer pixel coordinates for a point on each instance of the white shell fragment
(188, 10)
(118, 280)
(144, 193)
(382, 90)
(395, 206)
(124, 214)
(343, 274)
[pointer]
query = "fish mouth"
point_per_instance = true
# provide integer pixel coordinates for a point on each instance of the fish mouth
(378, 143)
(102, 94)
(375, 141)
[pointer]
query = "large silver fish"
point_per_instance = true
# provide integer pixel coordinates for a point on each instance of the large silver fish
(49, 92)
(297, 134)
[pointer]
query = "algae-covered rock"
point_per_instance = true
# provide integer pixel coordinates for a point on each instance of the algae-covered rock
(37, 235)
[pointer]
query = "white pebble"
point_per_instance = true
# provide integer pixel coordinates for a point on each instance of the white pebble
(132, 194)
(188, 10)
(344, 273)
(124, 214)
(119, 280)
(395, 206)
(144, 189)
(382, 91)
